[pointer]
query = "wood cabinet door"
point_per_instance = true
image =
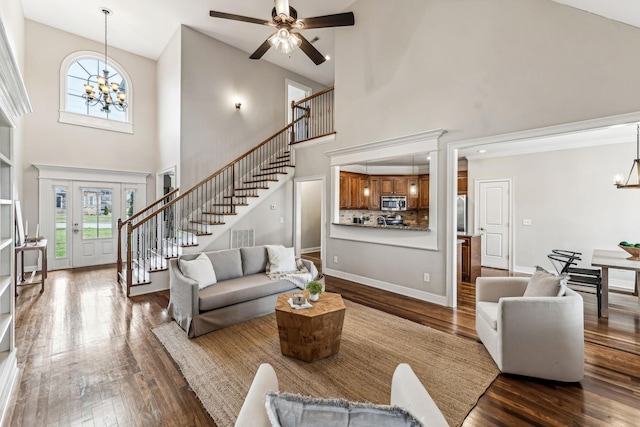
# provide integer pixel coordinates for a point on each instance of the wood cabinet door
(401, 186)
(466, 259)
(412, 199)
(386, 186)
(345, 195)
(363, 201)
(354, 194)
(374, 193)
(462, 182)
(423, 189)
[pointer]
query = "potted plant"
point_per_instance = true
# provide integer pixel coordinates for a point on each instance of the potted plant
(314, 288)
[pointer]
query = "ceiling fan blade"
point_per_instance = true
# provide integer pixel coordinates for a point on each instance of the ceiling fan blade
(338, 20)
(233, 17)
(311, 51)
(282, 7)
(264, 47)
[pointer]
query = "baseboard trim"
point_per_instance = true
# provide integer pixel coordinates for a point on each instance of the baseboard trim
(391, 287)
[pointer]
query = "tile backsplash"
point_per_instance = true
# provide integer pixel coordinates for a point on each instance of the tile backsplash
(419, 218)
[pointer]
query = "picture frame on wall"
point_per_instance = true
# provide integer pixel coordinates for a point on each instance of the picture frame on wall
(20, 236)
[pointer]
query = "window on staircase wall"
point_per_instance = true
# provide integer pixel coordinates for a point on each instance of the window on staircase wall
(74, 72)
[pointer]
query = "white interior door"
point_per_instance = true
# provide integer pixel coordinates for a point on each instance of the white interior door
(493, 222)
(96, 208)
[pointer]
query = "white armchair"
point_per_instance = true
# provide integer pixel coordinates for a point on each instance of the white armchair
(407, 392)
(540, 337)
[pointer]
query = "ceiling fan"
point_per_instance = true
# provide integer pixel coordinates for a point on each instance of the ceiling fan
(285, 19)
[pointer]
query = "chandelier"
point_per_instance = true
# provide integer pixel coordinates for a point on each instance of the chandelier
(617, 180)
(110, 94)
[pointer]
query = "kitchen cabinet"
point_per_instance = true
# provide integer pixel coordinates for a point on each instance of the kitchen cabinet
(470, 259)
(374, 193)
(352, 191)
(413, 199)
(345, 194)
(462, 182)
(423, 190)
(394, 185)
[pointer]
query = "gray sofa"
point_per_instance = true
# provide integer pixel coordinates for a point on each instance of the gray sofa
(243, 290)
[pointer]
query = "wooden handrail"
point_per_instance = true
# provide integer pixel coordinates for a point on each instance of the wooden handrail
(158, 231)
(213, 175)
(315, 95)
(148, 208)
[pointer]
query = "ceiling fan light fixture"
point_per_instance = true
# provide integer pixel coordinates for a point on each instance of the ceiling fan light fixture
(285, 41)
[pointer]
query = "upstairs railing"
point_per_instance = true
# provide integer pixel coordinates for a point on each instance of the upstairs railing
(312, 117)
(159, 231)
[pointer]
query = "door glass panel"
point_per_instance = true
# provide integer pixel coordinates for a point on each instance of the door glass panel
(61, 221)
(130, 202)
(97, 210)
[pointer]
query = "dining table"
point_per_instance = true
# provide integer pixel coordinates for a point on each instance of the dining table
(616, 259)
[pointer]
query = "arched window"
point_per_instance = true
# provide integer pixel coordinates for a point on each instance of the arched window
(81, 68)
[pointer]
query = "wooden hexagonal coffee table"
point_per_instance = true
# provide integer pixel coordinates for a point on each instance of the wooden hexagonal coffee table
(313, 333)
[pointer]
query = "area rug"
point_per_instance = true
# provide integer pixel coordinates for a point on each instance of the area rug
(220, 366)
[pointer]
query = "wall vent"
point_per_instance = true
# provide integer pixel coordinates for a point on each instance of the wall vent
(243, 238)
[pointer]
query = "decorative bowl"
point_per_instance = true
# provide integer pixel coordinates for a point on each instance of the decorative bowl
(633, 251)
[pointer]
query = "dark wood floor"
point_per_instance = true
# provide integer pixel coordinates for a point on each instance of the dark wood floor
(88, 357)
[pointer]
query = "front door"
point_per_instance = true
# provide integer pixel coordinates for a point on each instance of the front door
(96, 208)
(493, 222)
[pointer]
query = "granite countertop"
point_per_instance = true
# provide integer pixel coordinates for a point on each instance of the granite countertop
(390, 227)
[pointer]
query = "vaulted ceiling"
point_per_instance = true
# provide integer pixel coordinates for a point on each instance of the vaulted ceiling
(144, 27)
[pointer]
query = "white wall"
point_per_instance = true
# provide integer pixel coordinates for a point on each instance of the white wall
(52, 143)
(474, 69)
(311, 215)
(215, 75)
(266, 221)
(169, 75)
(13, 21)
(571, 201)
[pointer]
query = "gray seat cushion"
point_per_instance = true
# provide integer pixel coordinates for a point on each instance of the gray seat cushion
(227, 264)
(488, 311)
(254, 260)
(239, 290)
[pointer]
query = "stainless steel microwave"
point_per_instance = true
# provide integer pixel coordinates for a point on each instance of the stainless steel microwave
(393, 203)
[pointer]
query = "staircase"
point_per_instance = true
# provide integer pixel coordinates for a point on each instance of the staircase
(179, 223)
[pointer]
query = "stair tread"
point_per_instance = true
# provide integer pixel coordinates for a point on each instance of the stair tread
(219, 213)
(271, 173)
(277, 167)
(208, 223)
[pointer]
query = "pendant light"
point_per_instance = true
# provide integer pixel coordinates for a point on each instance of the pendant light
(110, 94)
(366, 187)
(617, 180)
(413, 189)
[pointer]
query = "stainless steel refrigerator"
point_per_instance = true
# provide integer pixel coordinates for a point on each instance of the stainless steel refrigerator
(461, 203)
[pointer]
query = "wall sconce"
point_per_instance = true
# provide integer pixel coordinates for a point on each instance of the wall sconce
(238, 105)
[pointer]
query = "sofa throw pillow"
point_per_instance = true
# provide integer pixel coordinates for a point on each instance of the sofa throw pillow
(545, 284)
(199, 269)
(281, 259)
(290, 410)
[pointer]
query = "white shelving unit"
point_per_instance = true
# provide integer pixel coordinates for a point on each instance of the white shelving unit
(8, 361)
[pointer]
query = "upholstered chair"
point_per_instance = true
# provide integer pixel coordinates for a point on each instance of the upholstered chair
(407, 392)
(535, 336)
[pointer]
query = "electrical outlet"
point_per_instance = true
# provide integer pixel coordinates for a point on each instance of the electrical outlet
(427, 277)
(281, 220)
(526, 222)
(335, 259)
